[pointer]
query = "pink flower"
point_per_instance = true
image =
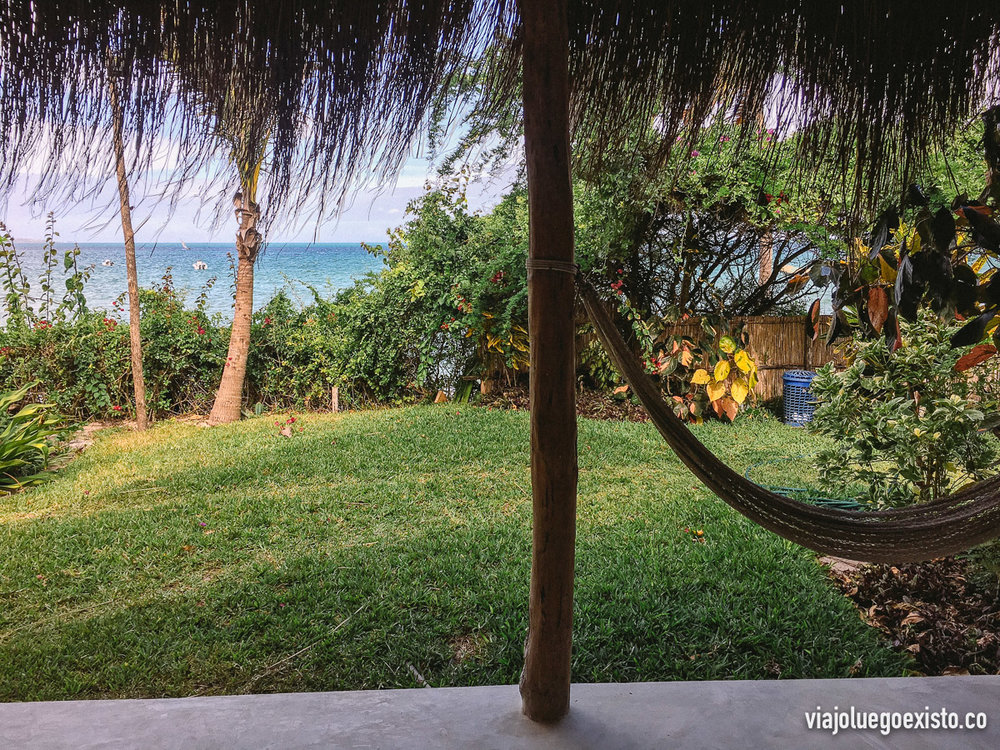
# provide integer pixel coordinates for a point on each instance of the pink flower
(695, 153)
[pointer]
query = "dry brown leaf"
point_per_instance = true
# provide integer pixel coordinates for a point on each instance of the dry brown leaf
(955, 671)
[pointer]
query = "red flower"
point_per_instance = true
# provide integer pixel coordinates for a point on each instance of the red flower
(116, 408)
(201, 331)
(267, 321)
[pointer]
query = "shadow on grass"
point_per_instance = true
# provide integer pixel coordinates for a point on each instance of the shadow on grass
(452, 605)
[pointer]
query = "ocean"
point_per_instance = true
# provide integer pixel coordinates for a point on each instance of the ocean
(328, 267)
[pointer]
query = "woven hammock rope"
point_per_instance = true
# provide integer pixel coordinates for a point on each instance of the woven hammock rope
(941, 527)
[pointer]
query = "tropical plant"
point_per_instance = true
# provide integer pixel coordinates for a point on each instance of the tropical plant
(21, 308)
(926, 251)
(81, 364)
(24, 440)
(905, 422)
(705, 373)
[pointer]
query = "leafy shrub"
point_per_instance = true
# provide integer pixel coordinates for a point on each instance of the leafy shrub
(711, 372)
(905, 423)
(82, 364)
(24, 440)
(351, 342)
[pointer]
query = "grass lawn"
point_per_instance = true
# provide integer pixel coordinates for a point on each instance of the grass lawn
(193, 561)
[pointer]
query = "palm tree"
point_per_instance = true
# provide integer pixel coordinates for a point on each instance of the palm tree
(135, 339)
(248, 145)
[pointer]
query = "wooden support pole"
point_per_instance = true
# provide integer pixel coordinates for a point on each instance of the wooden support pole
(545, 681)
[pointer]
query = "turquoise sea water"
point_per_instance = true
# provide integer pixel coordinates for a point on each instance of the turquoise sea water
(327, 267)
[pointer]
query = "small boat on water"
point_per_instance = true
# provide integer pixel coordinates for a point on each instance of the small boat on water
(184, 245)
(199, 265)
(107, 262)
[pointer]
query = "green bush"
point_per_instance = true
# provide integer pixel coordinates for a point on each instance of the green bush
(905, 423)
(82, 364)
(298, 355)
(24, 440)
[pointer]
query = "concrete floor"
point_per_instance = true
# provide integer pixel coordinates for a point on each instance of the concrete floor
(767, 714)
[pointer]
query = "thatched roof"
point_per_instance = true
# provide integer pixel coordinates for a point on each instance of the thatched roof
(342, 86)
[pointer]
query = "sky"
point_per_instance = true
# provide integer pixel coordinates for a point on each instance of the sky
(366, 217)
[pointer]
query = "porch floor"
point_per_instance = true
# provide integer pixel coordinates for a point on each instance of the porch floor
(755, 714)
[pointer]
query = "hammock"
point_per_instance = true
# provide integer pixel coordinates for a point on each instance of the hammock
(941, 527)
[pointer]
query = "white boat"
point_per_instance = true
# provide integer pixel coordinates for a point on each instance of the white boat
(199, 265)
(107, 262)
(184, 245)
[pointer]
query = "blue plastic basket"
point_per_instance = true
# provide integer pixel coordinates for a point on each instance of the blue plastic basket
(799, 402)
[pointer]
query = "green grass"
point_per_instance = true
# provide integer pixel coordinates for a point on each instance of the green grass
(196, 561)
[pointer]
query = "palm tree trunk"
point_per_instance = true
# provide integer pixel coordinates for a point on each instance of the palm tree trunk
(229, 398)
(135, 338)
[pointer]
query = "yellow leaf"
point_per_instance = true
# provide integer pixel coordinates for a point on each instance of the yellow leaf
(727, 344)
(687, 358)
(888, 272)
(978, 265)
(742, 360)
(722, 370)
(701, 377)
(740, 390)
(716, 391)
(752, 380)
(469, 333)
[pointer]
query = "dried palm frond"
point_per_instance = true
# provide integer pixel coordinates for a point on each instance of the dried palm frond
(344, 87)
